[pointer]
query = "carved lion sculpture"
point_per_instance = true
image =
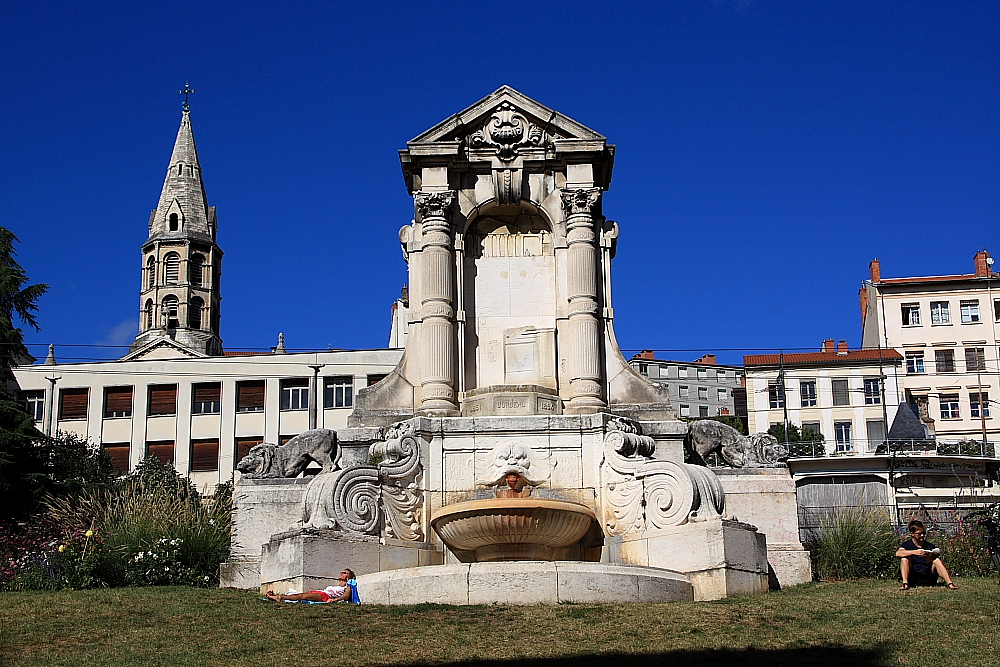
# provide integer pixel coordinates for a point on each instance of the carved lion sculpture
(758, 450)
(291, 458)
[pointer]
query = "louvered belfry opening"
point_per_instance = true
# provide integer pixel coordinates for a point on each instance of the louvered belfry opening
(250, 396)
(73, 403)
(162, 400)
(205, 455)
(118, 402)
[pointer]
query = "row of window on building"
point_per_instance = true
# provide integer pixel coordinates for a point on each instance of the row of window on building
(663, 371)
(808, 397)
(206, 398)
(703, 410)
(720, 394)
(940, 312)
(203, 455)
(944, 361)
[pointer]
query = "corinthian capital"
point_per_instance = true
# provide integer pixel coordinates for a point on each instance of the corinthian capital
(434, 203)
(580, 200)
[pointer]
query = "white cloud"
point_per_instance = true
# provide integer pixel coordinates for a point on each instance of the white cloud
(121, 334)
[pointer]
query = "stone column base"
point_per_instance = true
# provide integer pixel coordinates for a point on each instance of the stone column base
(240, 573)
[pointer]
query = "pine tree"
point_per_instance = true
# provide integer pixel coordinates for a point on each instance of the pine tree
(23, 460)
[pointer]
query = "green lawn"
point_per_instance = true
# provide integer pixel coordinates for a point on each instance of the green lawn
(855, 624)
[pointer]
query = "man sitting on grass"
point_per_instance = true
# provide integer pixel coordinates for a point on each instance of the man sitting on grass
(919, 561)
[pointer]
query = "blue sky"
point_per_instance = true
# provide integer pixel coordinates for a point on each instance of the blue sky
(766, 152)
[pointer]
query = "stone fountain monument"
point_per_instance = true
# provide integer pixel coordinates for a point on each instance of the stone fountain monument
(513, 455)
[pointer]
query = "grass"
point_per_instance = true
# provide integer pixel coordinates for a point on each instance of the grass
(854, 624)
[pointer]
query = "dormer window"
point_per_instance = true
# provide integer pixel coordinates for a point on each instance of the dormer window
(174, 222)
(180, 169)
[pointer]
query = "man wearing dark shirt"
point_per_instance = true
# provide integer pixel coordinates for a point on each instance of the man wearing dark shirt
(919, 562)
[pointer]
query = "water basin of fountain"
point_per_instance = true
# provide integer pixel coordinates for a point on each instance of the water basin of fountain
(517, 528)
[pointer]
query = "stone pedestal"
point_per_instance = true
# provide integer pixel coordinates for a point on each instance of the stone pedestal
(310, 559)
(261, 507)
(719, 557)
(765, 497)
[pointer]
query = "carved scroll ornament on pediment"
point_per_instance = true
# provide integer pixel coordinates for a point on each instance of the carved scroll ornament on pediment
(645, 494)
(507, 131)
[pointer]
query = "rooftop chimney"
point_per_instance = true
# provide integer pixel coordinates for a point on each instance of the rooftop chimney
(863, 296)
(828, 345)
(709, 359)
(875, 269)
(841, 347)
(645, 354)
(982, 265)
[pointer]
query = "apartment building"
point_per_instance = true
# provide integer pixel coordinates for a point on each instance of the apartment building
(700, 388)
(945, 326)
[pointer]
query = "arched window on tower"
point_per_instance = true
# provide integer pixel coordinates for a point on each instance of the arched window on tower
(195, 270)
(147, 316)
(180, 169)
(150, 272)
(171, 268)
(194, 312)
(174, 222)
(169, 311)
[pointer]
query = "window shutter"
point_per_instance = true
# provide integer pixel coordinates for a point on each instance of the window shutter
(73, 403)
(204, 455)
(163, 450)
(244, 445)
(118, 399)
(295, 382)
(118, 453)
(251, 394)
(209, 392)
(163, 399)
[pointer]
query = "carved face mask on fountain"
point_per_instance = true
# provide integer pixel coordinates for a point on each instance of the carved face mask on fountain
(508, 461)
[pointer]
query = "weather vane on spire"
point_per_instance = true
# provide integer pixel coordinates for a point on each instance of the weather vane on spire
(187, 91)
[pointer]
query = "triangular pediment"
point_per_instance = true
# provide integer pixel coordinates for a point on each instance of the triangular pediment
(474, 118)
(163, 348)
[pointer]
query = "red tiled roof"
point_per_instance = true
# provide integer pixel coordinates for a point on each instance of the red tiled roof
(819, 358)
(241, 353)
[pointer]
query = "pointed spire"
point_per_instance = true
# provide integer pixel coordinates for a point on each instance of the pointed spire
(183, 209)
(50, 360)
(281, 344)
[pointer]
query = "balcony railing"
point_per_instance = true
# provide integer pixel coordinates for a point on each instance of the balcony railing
(930, 446)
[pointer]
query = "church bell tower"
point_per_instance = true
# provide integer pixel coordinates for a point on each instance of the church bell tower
(181, 262)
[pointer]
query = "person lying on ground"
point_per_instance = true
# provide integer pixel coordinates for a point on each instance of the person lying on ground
(919, 560)
(341, 593)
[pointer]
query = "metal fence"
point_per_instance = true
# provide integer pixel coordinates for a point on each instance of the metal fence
(854, 447)
(943, 517)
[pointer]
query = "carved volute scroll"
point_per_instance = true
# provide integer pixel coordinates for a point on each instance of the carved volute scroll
(646, 494)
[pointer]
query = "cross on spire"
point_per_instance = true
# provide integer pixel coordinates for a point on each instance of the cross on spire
(187, 91)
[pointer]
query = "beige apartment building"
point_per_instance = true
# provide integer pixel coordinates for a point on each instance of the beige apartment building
(946, 329)
(835, 392)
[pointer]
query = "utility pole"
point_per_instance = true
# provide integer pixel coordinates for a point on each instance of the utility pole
(784, 395)
(52, 400)
(313, 397)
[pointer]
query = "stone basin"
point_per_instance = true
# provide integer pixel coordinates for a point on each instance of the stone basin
(504, 529)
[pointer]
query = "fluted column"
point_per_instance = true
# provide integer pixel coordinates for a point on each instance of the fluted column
(584, 349)
(437, 311)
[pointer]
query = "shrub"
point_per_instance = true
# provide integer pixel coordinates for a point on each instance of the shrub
(855, 543)
(41, 557)
(963, 548)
